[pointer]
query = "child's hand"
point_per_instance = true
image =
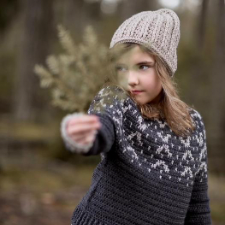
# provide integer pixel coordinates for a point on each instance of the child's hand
(82, 129)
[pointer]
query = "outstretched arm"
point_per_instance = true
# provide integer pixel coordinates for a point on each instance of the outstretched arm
(101, 142)
(107, 107)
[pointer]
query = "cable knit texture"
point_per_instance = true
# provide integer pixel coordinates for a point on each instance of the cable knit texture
(147, 174)
(158, 30)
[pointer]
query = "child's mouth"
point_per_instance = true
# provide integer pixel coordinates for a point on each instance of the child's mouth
(135, 92)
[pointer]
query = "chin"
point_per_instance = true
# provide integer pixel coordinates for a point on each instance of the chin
(142, 102)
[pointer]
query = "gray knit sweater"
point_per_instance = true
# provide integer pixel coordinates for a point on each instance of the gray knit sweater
(147, 175)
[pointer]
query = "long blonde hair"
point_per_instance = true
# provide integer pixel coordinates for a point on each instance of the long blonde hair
(170, 107)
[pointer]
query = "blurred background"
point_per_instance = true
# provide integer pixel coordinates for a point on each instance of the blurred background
(40, 181)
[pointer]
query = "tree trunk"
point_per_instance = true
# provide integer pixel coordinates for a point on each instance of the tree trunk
(202, 24)
(74, 15)
(128, 8)
(197, 74)
(217, 93)
(35, 43)
(80, 13)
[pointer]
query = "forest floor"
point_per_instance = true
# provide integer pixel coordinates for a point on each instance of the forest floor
(47, 193)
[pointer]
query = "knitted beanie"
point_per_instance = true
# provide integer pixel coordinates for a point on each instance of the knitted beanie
(157, 30)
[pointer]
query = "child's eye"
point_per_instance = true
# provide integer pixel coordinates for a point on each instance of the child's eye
(120, 69)
(144, 67)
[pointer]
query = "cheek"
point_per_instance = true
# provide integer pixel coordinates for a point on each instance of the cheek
(123, 80)
(158, 86)
(153, 84)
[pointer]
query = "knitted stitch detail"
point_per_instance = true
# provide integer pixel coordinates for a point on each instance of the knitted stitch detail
(158, 30)
(82, 217)
(163, 144)
(149, 176)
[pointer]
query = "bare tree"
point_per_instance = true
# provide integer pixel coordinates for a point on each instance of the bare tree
(198, 73)
(217, 93)
(202, 24)
(128, 8)
(35, 42)
(74, 14)
(79, 13)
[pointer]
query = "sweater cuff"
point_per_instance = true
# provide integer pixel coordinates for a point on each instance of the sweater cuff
(105, 137)
(70, 144)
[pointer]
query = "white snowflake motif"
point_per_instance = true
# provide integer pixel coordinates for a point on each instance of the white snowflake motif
(139, 138)
(187, 170)
(142, 126)
(161, 163)
(188, 154)
(203, 167)
(134, 112)
(186, 142)
(200, 140)
(125, 109)
(159, 149)
(131, 136)
(140, 119)
(134, 154)
(166, 149)
(162, 125)
(203, 153)
(165, 138)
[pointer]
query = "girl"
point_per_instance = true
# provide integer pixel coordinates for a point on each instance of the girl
(153, 168)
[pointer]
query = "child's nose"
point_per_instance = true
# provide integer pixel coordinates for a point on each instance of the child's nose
(132, 78)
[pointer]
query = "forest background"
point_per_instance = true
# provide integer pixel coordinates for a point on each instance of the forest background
(40, 181)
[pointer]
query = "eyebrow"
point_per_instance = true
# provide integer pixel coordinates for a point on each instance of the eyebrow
(146, 62)
(140, 63)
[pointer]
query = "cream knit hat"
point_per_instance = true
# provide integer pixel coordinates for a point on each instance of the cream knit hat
(157, 30)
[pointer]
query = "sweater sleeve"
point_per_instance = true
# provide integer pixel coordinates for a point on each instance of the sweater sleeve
(103, 140)
(199, 212)
(105, 105)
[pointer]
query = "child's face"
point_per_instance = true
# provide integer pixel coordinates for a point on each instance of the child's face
(137, 73)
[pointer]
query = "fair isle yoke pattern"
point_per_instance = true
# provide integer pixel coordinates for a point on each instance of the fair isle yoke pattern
(167, 148)
(150, 176)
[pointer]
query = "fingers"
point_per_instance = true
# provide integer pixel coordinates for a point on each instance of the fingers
(84, 136)
(87, 140)
(83, 124)
(80, 129)
(89, 119)
(83, 129)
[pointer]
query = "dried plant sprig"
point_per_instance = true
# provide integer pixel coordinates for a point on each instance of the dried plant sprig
(78, 74)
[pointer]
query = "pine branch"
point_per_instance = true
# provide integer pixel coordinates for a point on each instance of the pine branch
(78, 74)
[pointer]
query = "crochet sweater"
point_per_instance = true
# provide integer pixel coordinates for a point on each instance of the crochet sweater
(147, 174)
